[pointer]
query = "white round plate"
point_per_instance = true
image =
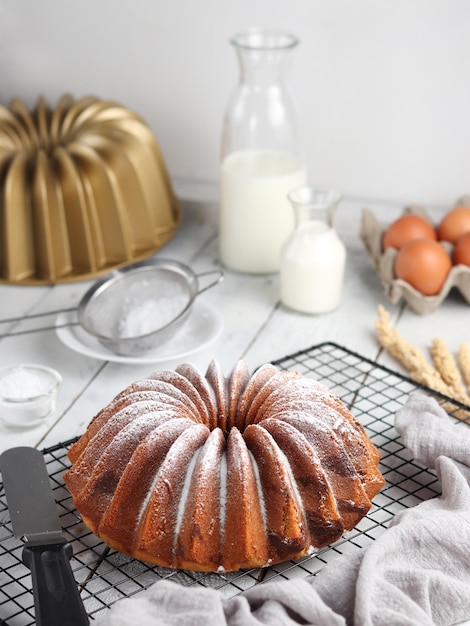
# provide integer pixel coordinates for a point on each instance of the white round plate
(203, 326)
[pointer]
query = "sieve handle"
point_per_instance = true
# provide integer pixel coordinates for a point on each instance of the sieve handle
(15, 333)
(39, 328)
(220, 277)
(34, 315)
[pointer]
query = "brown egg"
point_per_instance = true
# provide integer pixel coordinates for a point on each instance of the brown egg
(424, 264)
(462, 250)
(407, 228)
(454, 224)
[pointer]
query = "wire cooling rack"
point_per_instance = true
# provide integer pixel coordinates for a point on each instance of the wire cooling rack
(372, 392)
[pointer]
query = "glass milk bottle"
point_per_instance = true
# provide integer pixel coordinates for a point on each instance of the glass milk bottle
(260, 162)
(314, 257)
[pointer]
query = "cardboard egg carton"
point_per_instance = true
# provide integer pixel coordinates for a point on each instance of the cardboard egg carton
(395, 289)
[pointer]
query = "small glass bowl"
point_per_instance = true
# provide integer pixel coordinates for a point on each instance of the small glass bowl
(27, 394)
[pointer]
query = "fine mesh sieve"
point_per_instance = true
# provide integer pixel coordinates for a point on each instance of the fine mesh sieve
(135, 309)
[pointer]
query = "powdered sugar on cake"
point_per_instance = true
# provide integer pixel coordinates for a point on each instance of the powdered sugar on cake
(240, 442)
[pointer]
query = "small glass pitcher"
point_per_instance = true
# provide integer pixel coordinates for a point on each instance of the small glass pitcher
(260, 155)
(314, 257)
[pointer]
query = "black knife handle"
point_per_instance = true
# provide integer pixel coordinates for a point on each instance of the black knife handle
(57, 600)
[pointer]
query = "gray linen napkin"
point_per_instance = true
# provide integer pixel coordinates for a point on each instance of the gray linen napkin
(417, 573)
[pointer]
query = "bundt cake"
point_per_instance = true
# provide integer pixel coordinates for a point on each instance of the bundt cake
(83, 189)
(201, 472)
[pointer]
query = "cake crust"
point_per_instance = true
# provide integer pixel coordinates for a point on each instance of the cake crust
(208, 473)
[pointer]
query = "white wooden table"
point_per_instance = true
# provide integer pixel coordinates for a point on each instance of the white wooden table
(256, 326)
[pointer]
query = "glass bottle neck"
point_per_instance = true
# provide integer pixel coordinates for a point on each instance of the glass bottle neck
(263, 68)
(312, 204)
(261, 114)
(322, 216)
(263, 56)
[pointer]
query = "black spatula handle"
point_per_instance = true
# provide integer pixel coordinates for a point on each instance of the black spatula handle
(57, 600)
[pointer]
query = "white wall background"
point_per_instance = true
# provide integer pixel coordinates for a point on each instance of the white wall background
(382, 86)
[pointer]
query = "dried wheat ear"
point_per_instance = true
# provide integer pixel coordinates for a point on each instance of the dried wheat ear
(446, 375)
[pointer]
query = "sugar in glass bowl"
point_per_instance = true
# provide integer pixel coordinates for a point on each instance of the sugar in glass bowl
(28, 394)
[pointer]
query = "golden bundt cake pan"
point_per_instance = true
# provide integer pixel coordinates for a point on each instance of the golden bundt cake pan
(83, 189)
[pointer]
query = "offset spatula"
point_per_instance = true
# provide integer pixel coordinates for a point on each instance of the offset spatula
(34, 519)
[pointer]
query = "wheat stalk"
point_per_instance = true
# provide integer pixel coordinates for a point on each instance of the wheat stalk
(444, 378)
(447, 367)
(463, 357)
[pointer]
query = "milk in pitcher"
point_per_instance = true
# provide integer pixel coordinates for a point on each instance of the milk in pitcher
(255, 215)
(314, 257)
